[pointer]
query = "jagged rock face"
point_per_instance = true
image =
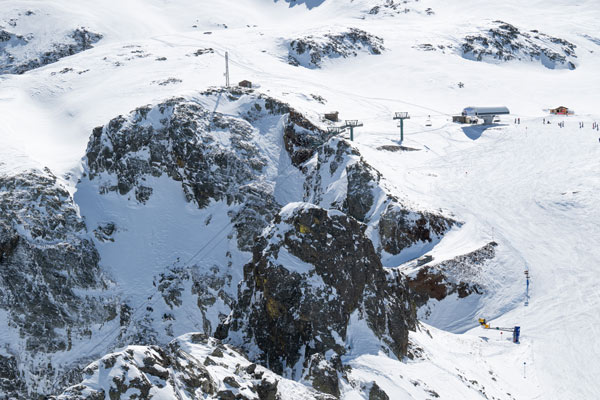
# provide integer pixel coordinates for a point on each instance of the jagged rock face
(185, 141)
(215, 158)
(192, 366)
(339, 178)
(51, 285)
(362, 179)
(330, 165)
(395, 7)
(376, 393)
(302, 138)
(310, 51)
(310, 272)
(207, 286)
(505, 42)
(458, 275)
(400, 228)
(12, 383)
(17, 56)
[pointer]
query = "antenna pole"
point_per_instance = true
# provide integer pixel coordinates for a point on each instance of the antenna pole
(226, 69)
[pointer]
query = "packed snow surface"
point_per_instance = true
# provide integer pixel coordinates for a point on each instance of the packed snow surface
(533, 187)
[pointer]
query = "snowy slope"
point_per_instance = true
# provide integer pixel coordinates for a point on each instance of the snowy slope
(532, 188)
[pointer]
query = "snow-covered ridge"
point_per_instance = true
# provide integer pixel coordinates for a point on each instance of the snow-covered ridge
(312, 50)
(396, 7)
(190, 367)
(502, 42)
(175, 266)
(25, 45)
(135, 162)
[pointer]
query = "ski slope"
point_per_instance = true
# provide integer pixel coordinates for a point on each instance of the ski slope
(536, 187)
(533, 187)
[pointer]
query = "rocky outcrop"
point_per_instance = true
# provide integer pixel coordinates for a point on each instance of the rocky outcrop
(396, 7)
(51, 286)
(208, 287)
(505, 42)
(315, 271)
(377, 393)
(22, 53)
(192, 366)
(338, 177)
(460, 275)
(312, 50)
(502, 42)
(302, 138)
(185, 141)
(400, 228)
(312, 271)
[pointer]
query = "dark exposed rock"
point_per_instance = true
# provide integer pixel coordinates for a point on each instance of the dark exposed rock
(290, 315)
(311, 272)
(207, 286)
(323, 375)
(16, 58)
(267, 389)
(310, 51)
(396, 148)
(458, 275)
(376, 393)
(12, 384)
(400, 228)
(179, 367)
(201, 52)
(505, 42)
(396, 7)
(362, 179)
(104, 232)
(226, 395)
(47, 265)
(168, 81)
(301, 138)
(180, 138)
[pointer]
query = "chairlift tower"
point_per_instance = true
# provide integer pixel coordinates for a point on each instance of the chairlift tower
(352, 123)
(401, 116)
(336, 130)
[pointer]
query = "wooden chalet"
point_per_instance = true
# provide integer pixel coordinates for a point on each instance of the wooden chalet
(561, 110)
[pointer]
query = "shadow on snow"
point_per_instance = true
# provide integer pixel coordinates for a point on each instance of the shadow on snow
(309, 3)
(474, 132)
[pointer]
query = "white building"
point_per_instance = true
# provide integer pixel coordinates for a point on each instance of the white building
(485, 113)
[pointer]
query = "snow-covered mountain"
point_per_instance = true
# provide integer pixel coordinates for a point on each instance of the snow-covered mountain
(163, 236)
